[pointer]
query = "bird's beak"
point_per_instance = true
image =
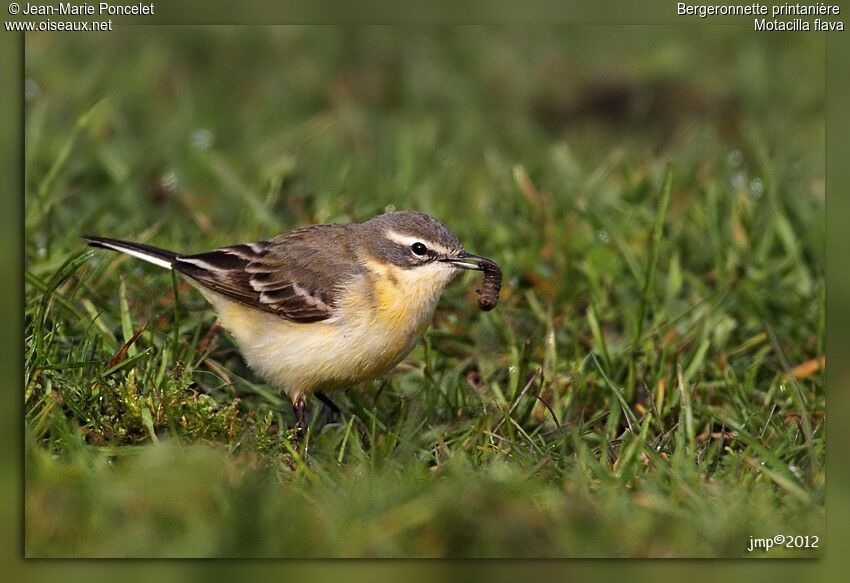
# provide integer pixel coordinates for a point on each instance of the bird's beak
(468, 261)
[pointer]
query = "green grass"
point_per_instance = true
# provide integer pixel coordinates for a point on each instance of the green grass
(649, 384)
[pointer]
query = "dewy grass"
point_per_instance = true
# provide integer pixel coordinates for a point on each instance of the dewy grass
(650, 383)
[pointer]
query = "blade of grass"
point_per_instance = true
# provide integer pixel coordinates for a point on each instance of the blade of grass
(617, 395)
(126, 321)
(65, 152)
(126, 362)
(799, 398)
(68, 268)
(649, 283)
(175, 340)
(687, 411)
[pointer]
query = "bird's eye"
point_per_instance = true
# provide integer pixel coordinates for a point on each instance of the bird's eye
(419, 249)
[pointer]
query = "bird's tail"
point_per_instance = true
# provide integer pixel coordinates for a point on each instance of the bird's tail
(161, 257)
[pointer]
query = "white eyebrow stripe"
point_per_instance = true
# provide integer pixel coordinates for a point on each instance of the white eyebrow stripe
(408, 240)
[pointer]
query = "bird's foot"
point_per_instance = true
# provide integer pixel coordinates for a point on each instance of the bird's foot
(299, 405)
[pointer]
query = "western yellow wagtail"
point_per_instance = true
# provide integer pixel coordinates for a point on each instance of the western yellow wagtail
(325, 307)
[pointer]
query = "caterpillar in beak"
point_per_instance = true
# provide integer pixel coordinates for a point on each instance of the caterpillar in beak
(489, 292)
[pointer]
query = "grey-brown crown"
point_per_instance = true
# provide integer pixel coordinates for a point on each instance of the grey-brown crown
(416, 224)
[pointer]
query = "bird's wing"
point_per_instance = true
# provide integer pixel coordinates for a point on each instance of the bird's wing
(298, 275)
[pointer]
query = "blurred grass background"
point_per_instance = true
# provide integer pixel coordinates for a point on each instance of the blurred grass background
(633, 394)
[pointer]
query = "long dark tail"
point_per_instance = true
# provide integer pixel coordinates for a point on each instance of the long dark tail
(161, 257)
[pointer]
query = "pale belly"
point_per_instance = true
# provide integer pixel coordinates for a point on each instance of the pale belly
(370, 337)
(301, 358)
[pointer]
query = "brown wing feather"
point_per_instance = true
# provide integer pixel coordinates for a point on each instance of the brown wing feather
(297, 275)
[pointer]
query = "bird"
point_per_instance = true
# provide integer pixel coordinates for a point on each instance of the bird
(328, 306)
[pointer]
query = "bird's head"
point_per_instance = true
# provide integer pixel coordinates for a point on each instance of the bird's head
(419, 246)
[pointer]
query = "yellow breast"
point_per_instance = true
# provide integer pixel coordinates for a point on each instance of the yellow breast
(404, 299)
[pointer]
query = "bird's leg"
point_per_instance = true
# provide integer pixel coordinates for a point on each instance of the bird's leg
(360, 427)
(328, 402)
(299, 405)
